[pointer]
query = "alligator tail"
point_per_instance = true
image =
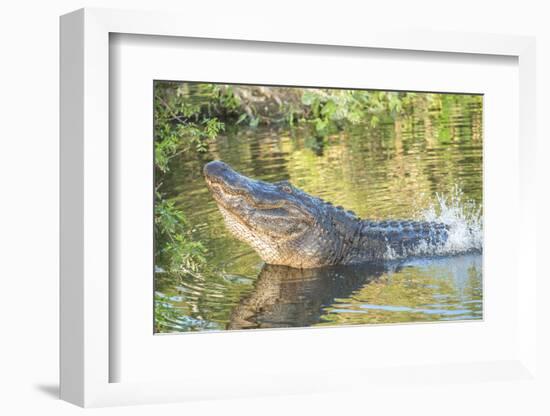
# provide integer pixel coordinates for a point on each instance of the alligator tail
(404, 236)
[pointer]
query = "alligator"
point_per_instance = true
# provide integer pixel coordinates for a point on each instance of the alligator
(287, 226)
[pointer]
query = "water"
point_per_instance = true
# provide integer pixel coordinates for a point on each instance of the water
(427, 165)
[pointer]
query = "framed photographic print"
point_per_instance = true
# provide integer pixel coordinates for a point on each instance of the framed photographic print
(229, 230)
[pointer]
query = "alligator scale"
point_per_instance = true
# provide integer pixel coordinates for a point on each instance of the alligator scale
(289, 227)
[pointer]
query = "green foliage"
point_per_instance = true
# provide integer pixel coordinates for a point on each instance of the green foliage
(175, 248)
(328, 109)
(184, 122)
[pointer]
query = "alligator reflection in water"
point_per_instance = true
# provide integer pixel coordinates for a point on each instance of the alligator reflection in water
(436, 289)
(288, 297)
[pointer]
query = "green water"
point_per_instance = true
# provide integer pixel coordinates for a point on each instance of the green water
(391, 170)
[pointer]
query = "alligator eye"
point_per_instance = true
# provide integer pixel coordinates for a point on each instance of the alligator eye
(287, 189)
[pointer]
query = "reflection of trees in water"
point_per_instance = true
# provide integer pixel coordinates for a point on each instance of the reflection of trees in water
(404, 161)
(424, 290)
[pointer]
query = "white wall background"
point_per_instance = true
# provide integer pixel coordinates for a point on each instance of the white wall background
(29, 205)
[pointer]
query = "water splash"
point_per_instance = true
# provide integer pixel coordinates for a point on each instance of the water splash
(464, 219)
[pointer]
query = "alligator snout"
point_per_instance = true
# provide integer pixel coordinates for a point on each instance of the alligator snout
(221, 173)
(216, 169)
(221, 177)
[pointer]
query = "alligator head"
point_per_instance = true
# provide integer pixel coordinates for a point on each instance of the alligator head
(283, 224)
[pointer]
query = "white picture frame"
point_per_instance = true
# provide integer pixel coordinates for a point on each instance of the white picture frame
(86, 356)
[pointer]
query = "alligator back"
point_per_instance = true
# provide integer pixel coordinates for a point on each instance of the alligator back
(398, 238)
